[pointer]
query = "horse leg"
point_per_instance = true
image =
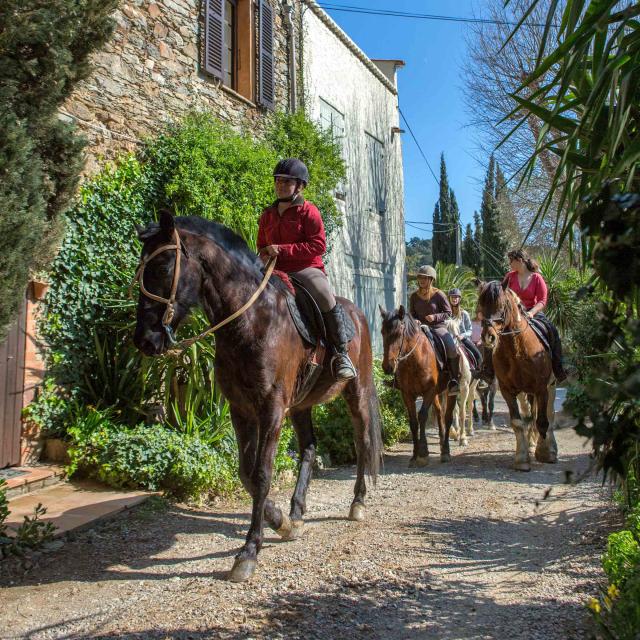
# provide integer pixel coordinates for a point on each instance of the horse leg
(522, 461)
(410, 404)
(474, 409)
(260, 483)
(547, 447)
(461, 405)
(490, 400)
(469, 412)
(292, 525)
(422, 451)
(444, 424)
(362, 403)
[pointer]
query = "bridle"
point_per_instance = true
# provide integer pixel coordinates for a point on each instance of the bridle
(170, 302)
(489, 323)
(399, 358)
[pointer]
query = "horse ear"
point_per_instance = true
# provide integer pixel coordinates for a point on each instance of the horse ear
(167, 222)
(383, 312)
(401, 312)
(505, 284)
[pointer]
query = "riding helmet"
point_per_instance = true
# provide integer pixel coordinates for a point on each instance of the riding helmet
(455, 292)
(292, 168)
(427, 270)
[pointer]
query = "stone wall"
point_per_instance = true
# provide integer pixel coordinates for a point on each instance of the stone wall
(151, 73)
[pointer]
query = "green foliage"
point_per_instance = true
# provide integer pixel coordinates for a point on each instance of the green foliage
(418, 252)
(44, 53)
(449, 276)
(333, 429)
(494, 247)
(31, 534)
(446, 218)
(623, 553)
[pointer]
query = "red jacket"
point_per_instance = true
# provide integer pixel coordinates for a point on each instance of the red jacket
(298, 232)
(532, 294)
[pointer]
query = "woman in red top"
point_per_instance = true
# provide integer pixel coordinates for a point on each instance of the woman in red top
(292, 229)
(527, 283)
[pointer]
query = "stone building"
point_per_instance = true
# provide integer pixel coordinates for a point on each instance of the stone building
(240, 59)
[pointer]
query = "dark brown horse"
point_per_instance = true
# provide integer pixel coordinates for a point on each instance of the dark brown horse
(523, 369)
(409, 355)
(259, 358)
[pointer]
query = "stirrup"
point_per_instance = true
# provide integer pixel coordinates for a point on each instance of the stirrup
(345, 370)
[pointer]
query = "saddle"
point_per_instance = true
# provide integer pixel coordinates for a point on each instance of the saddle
(471, 359)
(541, 331)
(437, 345)
(308, 321)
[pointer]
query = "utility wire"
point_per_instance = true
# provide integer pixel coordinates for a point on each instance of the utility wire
(420, 16)
(418, 145)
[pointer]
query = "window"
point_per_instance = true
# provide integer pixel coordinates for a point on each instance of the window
(230, 47)
(332, 120)
(377, 190)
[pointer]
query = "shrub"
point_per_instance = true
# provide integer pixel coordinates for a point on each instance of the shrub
(622, 555)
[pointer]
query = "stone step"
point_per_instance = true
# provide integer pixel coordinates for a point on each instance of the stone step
(24, 480)
(71, 505)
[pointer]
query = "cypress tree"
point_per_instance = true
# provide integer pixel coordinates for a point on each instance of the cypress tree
(468, 253)
(44, 53)
(493, 243)
(476, 262)
(442, 225)
(508, 221)
(453, 230)
(436, 243)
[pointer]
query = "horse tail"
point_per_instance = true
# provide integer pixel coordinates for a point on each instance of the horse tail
(373, 447)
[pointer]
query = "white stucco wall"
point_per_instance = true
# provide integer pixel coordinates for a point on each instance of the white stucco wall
(366, 263)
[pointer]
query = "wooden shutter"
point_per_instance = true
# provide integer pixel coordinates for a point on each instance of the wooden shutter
(214, 38)
(266, 71)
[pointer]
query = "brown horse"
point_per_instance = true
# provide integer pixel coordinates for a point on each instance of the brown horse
(523, 369)
(259, 359)
(409, 355)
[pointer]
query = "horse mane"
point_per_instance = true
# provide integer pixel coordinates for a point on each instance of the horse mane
(392, 320)
(227, 239)
(494, 298)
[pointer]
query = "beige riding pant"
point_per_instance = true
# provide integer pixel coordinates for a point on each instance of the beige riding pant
(317, 283)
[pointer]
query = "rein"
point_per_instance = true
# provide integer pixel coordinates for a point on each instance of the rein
(170, 301)
(401, 357)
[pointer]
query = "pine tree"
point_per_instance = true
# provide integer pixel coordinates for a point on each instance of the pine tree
(44, 53)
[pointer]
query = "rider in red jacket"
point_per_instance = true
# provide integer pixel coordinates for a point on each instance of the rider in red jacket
(292, 230)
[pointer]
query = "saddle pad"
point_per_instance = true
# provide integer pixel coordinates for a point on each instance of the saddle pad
(473, 363)
(307, 317)
(540, 329)
(438, 346)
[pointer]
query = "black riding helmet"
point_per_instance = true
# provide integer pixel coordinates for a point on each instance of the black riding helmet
(292, 168)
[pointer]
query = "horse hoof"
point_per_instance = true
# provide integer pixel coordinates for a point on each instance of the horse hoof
(422, 461)
(242, 570)
(357, 512)
(463, 443)
(548, 458)
(522, 466)
(492, 427)
(445, 457)
(412, 463)
(293, 530)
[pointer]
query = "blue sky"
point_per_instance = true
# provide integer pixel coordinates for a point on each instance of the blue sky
(430, 91)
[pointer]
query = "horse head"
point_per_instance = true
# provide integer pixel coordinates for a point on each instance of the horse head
(397, 327)
(169, 284)
(499, 307)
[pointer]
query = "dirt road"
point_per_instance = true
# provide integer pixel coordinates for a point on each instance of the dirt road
(464, 550)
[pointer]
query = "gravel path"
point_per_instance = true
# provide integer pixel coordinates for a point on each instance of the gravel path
(465, 550)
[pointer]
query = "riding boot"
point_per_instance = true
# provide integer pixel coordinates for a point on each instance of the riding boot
(556, 361)
(453, 387)
(341, 364)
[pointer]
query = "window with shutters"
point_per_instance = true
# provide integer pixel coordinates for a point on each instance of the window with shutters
(333, 121)
(229, 44)
(376, 191)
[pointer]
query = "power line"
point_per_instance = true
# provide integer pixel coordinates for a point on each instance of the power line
(418, 145)
(419, 16)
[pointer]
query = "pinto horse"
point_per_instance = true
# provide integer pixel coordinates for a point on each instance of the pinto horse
(188, 261)
(523, 370)
(408, 355)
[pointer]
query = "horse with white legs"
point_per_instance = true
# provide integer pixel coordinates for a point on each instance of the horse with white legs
(463, 415)
(523, 368)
